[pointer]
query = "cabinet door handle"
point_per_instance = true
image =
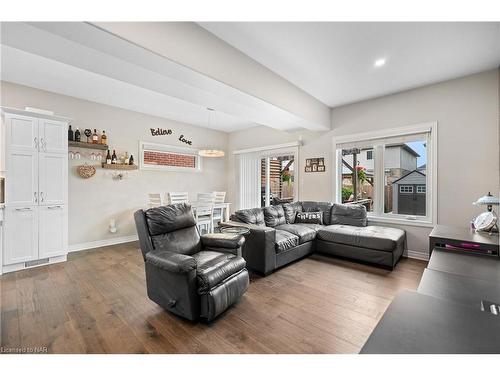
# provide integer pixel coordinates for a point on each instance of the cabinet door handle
(35, 140)
(42, 198)
(53, 207)
(44, 144)
(36, 197)
(24, 209)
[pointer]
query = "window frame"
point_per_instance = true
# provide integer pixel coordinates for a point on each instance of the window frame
(377, 138)
(371, 154)
(421, 187)
(403, 187)
(160, 147)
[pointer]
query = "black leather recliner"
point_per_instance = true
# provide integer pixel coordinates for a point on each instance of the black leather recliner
(190, 275)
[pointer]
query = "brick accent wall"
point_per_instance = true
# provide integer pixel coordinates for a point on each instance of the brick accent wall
(169, 159)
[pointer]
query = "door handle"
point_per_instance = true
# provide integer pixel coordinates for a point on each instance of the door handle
(24, 209)
(35, 140)
(53, 207)
(36, 197)
(44, 144)
(42, 198)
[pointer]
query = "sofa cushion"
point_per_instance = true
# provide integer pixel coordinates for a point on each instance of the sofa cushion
(274, 215)
(309, 218)
(291, 210)
(285, 240)
(349, 214)
(314, 227)
(250, 216)
(213, 268)
(325, 207)
(305, 234)
(370, 237)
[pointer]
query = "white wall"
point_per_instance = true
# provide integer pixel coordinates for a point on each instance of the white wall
(94, 201)
(467, 112)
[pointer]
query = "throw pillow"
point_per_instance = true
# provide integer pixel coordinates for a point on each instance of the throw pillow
(309, 217)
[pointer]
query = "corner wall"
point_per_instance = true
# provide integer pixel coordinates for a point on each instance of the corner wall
(93, 202)
(467, 112)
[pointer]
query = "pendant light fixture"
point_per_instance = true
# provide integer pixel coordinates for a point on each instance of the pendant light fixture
(207, 153)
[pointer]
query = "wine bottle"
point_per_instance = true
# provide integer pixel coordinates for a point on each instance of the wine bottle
(78, 135)
(70, 134)
(131, 160)
(108, 158)
(95, 137)
(104, 138)
(114, 160)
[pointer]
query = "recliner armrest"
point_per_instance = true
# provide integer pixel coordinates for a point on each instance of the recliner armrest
(172, 262)
(224, 240)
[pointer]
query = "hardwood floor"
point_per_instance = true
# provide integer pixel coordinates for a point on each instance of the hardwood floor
(97, 303)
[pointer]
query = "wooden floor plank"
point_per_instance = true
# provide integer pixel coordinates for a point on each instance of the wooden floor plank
(96, 302)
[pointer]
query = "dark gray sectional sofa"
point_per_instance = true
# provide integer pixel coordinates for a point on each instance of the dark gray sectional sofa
(284, 233)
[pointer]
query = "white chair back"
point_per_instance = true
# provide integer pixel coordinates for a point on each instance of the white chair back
(220, 196)
(178, 197)
(204, 212)
(155, 200)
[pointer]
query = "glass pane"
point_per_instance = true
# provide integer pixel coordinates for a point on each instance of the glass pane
(358, 176)
(405, 187)
(281, 179)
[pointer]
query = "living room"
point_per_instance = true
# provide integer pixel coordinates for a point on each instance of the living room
(242, 187)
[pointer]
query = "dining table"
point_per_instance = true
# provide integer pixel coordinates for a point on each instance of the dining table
(224, 206)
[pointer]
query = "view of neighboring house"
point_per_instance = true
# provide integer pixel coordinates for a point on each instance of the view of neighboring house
(400, 165)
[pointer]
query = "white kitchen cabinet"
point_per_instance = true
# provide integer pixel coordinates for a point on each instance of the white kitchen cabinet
(53, 231)
(53, 136)
(21, 183)
(21, 132)
(52, 178)
(21, 234)
(36, 184)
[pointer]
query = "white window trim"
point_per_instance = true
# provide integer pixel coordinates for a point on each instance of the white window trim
(160, 147)
(403, 187)
(431, 173)
(422, 189)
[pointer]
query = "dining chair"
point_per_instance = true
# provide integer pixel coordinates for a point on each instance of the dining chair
(155, 200)
(220, 197)
(204, 212)
(178, 197)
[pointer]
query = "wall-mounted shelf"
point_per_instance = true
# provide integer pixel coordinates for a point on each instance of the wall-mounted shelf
(125, 167)
(94, 146)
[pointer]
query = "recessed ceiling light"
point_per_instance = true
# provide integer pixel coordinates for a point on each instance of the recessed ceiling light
(379, 63)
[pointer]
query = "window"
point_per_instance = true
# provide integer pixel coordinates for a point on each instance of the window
(406, 189)
(155, 156)
(391, 173)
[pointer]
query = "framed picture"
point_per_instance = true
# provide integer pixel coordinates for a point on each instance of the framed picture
(315, 165)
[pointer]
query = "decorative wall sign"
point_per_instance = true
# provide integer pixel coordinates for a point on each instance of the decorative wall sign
(315, 165)
(182, 139)
(159, 131)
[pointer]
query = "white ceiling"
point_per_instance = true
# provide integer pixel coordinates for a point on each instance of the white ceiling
(80, 60)
(334, 62)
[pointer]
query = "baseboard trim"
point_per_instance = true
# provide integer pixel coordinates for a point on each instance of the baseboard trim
(101, 243)
(417, 255)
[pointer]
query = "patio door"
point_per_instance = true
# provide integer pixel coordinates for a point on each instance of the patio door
(268, 176)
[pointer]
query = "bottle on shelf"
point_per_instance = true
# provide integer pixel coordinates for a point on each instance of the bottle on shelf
(108, 158)
(70, 134)
(95, 137)
(104, 138)
(114, 159)
(127, 159)
(78, 135)
(131, 160)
